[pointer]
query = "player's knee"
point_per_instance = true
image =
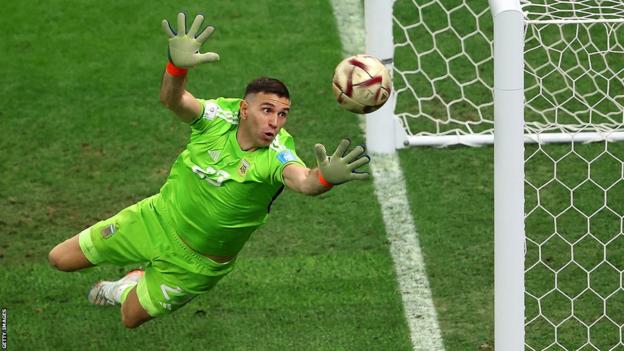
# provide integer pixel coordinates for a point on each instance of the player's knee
(54, 258)
(131, 316)
(129, 321)
(57, 260)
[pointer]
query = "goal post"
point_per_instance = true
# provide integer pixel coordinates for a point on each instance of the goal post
(385, 132)
(508, 175)
(543, 81)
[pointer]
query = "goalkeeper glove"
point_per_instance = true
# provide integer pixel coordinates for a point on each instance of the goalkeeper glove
(338, 169)
(184, 47)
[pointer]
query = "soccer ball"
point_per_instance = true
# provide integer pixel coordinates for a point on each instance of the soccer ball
(361, 84)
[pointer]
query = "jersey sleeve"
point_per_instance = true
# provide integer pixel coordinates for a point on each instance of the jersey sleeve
(213, 111)
(284, 155)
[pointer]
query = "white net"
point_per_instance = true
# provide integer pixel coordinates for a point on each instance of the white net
(574, 77)
(443, 67)
(574, 65)
(574, 71)
(574, 192)
(573, 11)
(574, 204)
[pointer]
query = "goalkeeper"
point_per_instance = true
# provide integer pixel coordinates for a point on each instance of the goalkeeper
(219, 191)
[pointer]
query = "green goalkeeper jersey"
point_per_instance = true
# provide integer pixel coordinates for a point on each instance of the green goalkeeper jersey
(218, 194)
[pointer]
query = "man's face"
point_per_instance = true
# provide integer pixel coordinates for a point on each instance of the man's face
(264, 114)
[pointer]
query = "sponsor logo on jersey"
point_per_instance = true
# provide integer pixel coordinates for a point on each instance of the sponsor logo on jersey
(244, 167)
(285, 156)
(108, 231)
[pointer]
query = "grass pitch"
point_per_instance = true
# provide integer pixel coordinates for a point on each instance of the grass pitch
(83, 135)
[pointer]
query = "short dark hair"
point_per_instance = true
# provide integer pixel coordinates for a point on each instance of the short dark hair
(267, 85)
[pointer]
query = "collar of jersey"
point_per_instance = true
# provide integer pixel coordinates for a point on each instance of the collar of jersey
(236, 146)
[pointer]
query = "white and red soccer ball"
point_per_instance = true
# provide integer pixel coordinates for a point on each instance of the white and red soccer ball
(361, 84)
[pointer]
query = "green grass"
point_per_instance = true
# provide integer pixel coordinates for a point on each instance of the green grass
(451, 198)
(268, 303)
(83, 135)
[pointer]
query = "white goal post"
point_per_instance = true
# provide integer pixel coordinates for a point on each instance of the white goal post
(521, 74)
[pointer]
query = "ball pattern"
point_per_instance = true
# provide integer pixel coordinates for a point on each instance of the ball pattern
(361, 84)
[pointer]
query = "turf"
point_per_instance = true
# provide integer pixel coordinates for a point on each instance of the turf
(451, 199)
(83, 135)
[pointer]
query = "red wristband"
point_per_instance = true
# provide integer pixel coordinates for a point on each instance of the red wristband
(324, 182)
(175, 71)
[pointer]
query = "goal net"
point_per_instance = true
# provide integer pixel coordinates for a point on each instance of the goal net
(443, 74)
(574, 193)
(573, 189)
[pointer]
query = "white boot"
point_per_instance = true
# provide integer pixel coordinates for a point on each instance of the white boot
(109, 292)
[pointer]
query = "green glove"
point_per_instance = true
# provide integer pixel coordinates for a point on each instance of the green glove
(338, 169)
(184, 47)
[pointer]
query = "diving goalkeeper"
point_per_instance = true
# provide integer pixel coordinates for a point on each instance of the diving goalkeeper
(219, 191)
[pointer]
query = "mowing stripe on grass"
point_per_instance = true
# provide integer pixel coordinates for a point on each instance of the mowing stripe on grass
(392, 197)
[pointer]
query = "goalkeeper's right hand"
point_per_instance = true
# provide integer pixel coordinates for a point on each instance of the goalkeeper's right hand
(184, 47)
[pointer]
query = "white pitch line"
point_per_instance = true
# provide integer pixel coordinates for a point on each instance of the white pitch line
(392, 196)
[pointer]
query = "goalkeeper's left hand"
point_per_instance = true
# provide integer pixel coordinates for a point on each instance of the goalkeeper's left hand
(340, 168)
(184, 47)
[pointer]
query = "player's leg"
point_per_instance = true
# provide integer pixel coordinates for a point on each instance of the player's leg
(122, 292)
(68, 256)
(140, 291)
(120, 240)
(163, 289)
(132, 313)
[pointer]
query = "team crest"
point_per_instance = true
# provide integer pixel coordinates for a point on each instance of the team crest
(108, 231)
(244, 167)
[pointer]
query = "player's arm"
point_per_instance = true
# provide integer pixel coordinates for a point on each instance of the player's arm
(183, 55)
(176, 98)
(303, 179)
(334, 170)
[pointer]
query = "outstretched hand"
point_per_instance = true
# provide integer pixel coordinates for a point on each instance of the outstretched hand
(340, 168)
(184, 46)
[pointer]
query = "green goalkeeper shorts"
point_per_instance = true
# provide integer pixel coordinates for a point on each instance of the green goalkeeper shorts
(143, 233)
